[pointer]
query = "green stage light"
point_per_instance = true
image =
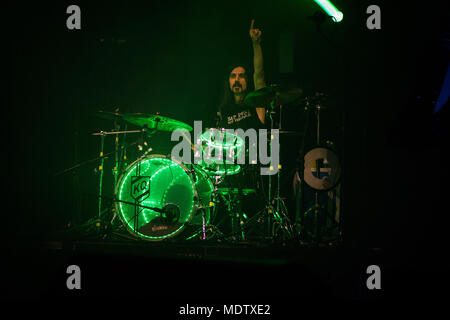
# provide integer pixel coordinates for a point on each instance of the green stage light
(329, 8)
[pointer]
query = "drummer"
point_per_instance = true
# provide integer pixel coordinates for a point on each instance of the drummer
(232, 112)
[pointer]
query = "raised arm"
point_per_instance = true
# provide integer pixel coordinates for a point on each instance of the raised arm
(258, 76)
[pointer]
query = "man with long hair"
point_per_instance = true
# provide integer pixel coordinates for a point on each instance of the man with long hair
(232, 112)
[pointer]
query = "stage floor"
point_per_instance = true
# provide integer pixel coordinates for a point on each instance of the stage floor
(207, 270)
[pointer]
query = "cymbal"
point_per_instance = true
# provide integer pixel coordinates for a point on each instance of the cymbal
(235, 191)
(264, 96)
(155, 121)
(108, 115)
(284, 132)
(290, 132)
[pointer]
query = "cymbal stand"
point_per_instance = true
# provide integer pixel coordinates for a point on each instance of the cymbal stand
(123, 151)
(216, 180)
(316, 209)
(102, 159)
(269, 206)
(273, 211)
(233, 202)
(116, 150)
(116, 162)
(279, 215)
(234, 205)
(144, 132)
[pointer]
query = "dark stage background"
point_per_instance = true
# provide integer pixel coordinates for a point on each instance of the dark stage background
(173, 56)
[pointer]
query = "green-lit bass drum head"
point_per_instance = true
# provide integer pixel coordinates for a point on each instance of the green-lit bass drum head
(157, 182)
(221, 150)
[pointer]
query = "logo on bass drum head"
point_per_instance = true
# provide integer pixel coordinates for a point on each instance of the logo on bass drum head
(140, 188)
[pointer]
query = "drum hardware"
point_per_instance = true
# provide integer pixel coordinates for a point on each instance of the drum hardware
(100, 188)
(144, 131)
(299, 171)
(200, 207)
(222, 144)
(101, 157)
(273, 97)
(201, 183)
(281, 226)
(105, 227)
(116, 150)
(81, 164)
(188, 197)
(102, 133)
(149, 123)
(232, 197)
(321, 159)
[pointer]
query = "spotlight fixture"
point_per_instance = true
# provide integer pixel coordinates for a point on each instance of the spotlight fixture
(331, 10)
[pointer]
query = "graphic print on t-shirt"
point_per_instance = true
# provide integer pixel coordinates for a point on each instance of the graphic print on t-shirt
(238, 117)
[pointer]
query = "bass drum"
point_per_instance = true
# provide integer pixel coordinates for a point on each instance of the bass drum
(322, 168)
(159, 198)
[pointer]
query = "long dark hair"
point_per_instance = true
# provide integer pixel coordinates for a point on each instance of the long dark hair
(227, 94)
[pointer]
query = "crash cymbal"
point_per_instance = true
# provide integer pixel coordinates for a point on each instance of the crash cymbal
(264, 96)
(155, 121)
(108, 115)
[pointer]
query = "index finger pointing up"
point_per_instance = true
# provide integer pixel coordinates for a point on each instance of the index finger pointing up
(253, 22)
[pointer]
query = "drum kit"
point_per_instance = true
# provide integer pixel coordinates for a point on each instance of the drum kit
(158, 198)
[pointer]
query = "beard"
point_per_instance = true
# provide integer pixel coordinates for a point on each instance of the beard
(237, 88)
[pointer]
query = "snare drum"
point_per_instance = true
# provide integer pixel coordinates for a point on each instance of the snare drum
(221, 150)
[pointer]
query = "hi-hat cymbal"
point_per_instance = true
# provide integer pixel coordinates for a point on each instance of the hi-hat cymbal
(290, 132)
(264, 96)
(235, 191)
(155, 121)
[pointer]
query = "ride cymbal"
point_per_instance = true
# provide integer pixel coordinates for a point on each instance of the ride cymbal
(264, 96)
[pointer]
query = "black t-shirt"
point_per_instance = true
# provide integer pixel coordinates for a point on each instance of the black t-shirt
(236, 116)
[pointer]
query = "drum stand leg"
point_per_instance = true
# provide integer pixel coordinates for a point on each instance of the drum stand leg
(203, 224)
(316, 209)
(215, 227)
(274, 212)
(235, 214)
(237, 217)
(100, 187)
